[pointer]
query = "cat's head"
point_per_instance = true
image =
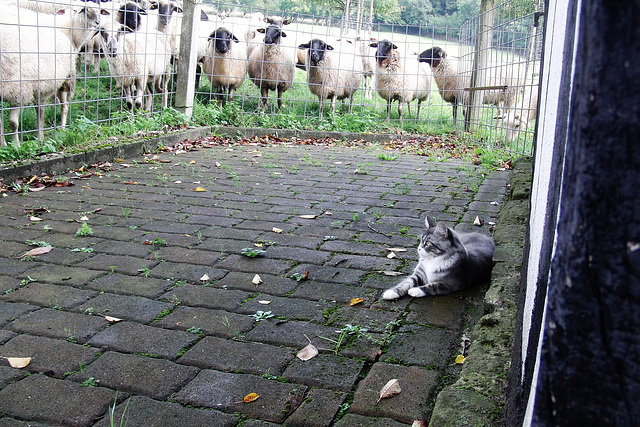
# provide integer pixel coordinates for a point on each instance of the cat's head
(437, 240)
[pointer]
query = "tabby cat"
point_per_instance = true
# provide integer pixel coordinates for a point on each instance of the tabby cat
(449, 262)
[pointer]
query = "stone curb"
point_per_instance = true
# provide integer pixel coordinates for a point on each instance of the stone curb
(478, 398)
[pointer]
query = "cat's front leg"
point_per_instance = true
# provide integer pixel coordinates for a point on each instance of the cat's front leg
(400, 289)
(432, 288)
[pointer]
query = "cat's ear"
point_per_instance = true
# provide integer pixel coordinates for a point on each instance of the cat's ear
(441, 230)
(429, 222)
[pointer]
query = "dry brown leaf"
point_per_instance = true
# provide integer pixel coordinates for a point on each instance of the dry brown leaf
(276, 230)
(309, 352)
(199, 189)
(249, 398)
(355, 301)
(192, 162)
(18, 362)
(38, 251)
(390, 389)
(256, 280)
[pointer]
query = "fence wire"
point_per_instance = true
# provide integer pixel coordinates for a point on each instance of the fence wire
(118, 61)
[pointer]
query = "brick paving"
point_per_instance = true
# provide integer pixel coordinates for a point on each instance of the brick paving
(167, 260)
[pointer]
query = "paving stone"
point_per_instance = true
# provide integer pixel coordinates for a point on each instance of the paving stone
(332, 292)
(224, 391)
(350, 420)
(423, 346)
(14, 267)
(349, 276)
(410, 405)
(212, 322)
(58, 324)
(155, 378)
(58, 274)
(374, 320)
(185, 272)
(135, 338)
(325, 370)
(146, 287)
(127, 307)
(228, 355)
(10, 311)
(49, 295)
(55, 401)
(257, 265)
(8, 284)
(283, 308)
(271, 284)
(442, 311)
(188, 256)
(6, 336)
(206, 296)
(51, 356)
(117, 263)
(9, 375)
(318, 409)
(142, 411)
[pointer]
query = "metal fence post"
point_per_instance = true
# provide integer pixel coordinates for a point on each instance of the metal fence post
(480, 65)
(188, 57)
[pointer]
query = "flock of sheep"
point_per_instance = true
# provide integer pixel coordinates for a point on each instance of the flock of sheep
(41, 44)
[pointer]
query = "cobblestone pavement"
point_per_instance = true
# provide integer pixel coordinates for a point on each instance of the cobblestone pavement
(156, 305)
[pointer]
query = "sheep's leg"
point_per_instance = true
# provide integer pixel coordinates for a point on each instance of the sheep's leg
(264, 94)
(3, 142)
(333, 104)
(400, 111)
(164, 86)
(455, 112)
(40, 114)
(280, 91)
(419, 105)
(321, 106)
(351, 103)
(14, 116)
(388, 109)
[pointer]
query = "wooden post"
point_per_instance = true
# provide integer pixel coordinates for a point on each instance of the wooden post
(188, 56)
(480, 65)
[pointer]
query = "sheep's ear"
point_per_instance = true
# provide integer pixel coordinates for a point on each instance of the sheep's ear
(153, 5)
(374, 44)
(234, 38)
(283, 34)
(328, 47)
(106, 12)
(304, 46)
(286, 22)
(179, 9)
(393, 46)
(261, 30)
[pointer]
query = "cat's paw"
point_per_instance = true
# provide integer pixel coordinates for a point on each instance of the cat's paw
(390, 294)
(416, 292)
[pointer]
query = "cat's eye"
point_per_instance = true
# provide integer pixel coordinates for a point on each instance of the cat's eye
(427, 243)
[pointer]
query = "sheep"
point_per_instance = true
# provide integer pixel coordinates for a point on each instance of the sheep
(400, 79)
(332, 73)
(525, 110)
(368, 65)
(37, 65)
(272, 64)
(451, 83)
(225, 63)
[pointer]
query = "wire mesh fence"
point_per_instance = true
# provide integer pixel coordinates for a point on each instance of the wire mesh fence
(106, 64)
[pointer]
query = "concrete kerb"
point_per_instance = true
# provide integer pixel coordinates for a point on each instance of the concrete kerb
(59, 164)
(478, 397)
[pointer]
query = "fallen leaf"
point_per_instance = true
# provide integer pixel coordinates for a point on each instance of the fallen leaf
(256, 280)
(192, 162)
(276, 230)
(390, 389)
(391, 255)
(477, 221)
(309, 352)
(110, 318)
(199, 189)
(38, 251)
(460, 359)
(178, 182)
(218, 165)
(264, 302)
(249, 398)
(84, 218)
(355, 301)
(308, 216)
(34, 189)
(18, 362)
(396, 249)
(35, 218)
(392, 273)
(204, 278)
(419, 423)
(258, 245)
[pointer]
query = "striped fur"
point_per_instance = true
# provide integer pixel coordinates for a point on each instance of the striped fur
(449, 262)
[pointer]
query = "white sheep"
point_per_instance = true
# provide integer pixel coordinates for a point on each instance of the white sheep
(525, 110)
(225, 63)
(400, 78)
(37, 60)
(332, 73)
(368, 65)
(451, 82)
(272, 64)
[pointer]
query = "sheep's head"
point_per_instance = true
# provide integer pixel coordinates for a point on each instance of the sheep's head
(317, 48)
(221, 39)
(108, 42)
(166, 8)
(129, 16)
(384, 50)
(432, 56)
(277, 20)
(272, 34)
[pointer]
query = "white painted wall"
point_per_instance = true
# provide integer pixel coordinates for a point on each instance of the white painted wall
(548, 118)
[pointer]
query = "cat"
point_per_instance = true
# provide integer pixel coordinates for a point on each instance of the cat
(448, 262)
